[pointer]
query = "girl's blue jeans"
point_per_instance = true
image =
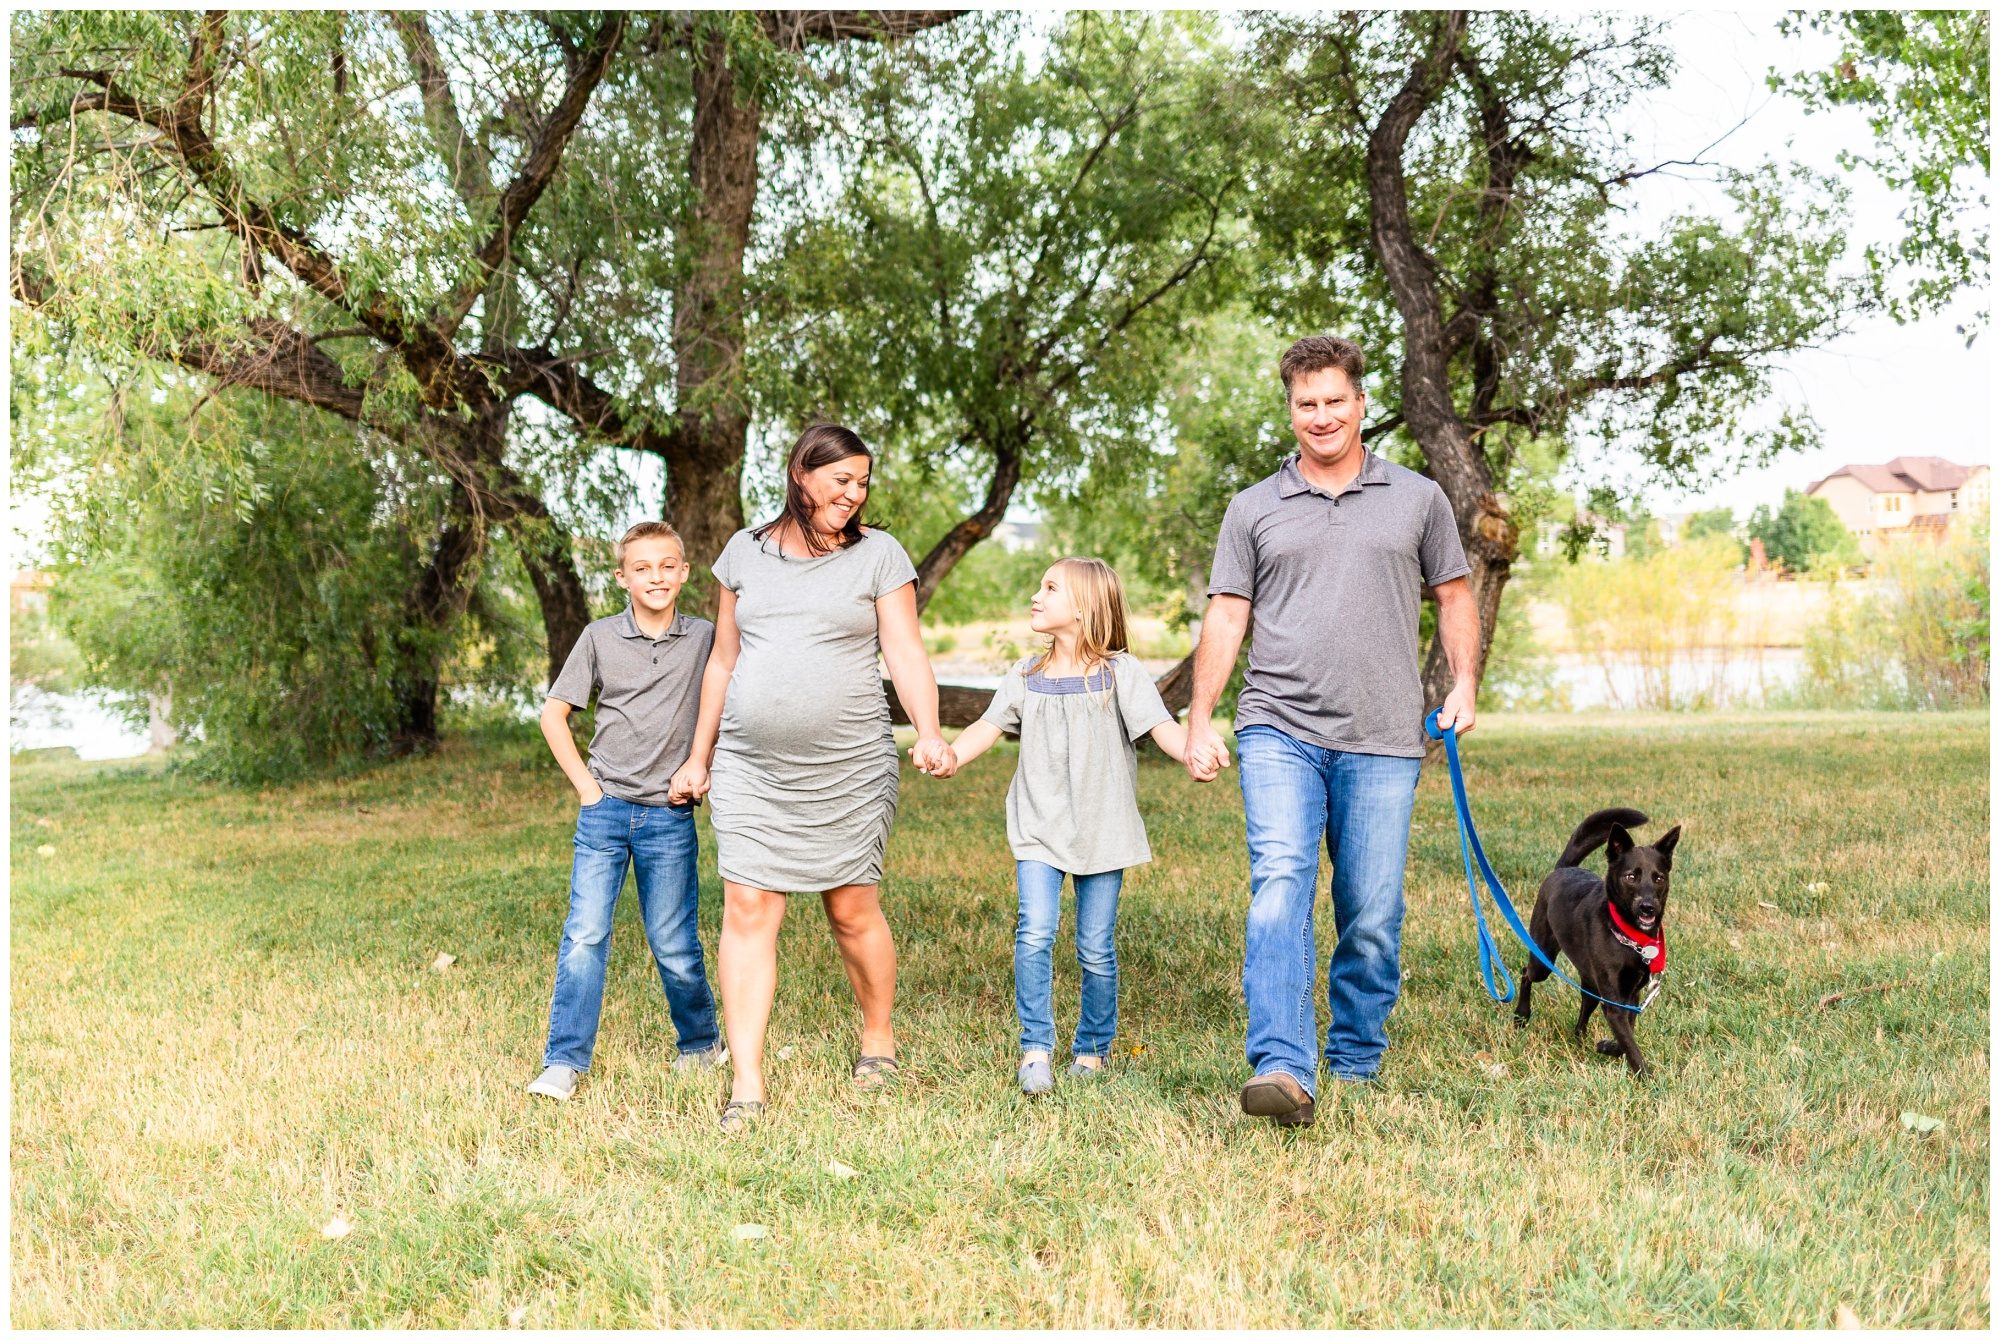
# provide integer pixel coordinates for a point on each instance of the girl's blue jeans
(1034, 959)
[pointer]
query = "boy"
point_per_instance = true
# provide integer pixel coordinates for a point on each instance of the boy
(645, 666)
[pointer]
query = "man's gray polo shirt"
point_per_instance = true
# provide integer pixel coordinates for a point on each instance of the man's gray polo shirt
(1334, 584)
(648, 695)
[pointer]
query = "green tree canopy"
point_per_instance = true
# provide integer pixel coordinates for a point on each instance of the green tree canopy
(1924, 79)
(1804, 534)
(1030, 213)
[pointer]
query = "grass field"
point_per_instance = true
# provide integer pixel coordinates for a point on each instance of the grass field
(226, 1032)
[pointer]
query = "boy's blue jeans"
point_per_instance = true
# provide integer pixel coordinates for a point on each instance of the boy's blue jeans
(658, 843)
(1295, 794)
(1034, 959)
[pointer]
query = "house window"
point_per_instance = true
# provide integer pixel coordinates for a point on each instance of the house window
(1954, 500)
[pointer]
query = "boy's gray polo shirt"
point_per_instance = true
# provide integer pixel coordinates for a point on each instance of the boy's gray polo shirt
(1334, 585)
(648, 695)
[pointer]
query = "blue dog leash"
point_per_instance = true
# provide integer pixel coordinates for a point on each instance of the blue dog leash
(1490, 965)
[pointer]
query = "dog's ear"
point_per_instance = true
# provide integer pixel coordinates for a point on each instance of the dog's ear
(1665, 846)
(1618, 845)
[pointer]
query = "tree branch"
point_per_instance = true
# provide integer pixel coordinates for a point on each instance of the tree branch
(792, 29)
(557, 381)
(1381, 427)
(471, 166)
(255, 223)
(538, 168)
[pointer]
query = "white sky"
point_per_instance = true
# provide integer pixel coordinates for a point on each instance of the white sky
(1883, 390)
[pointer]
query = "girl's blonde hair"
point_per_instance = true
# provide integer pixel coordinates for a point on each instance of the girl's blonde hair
(1099, 597)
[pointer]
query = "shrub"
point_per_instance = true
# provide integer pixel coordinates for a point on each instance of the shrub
(1920, 640)
(1650, 612)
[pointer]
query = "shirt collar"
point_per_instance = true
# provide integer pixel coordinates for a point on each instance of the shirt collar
(628, 625)
(1291, 482)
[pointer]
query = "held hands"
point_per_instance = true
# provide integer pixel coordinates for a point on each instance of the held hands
(933, 756)
(689, 782)
(1207, 755)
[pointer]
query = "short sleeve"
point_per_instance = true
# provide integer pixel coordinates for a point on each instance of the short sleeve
(1234, 571)
(728, 563)
(892, 566)
(1139, 700)
(578, 679)
(1004, 712)
(1440, 555)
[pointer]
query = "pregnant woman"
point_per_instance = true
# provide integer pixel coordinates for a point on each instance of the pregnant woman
(794, 747)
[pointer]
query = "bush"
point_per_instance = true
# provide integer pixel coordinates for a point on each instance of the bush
(1650, 612)
(1921, 640)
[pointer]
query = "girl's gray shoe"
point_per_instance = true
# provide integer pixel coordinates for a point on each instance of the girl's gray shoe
(1078, 1070)
(1036, 1077)
(557, 1082)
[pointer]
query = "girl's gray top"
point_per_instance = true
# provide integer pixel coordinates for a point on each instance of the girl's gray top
(803, 786)
(1074, 801)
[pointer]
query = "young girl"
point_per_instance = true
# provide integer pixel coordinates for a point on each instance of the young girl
(1073, 808)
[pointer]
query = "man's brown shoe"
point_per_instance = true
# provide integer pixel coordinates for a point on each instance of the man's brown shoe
(1279, 1096)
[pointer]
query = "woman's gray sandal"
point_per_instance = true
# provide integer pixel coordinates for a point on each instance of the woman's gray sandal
(1078, 1070)
(738, 1116)
(872, 1072)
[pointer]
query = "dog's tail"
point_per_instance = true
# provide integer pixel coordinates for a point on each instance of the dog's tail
(1594, 832)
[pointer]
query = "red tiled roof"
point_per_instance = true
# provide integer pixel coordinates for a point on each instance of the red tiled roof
(1933, 474)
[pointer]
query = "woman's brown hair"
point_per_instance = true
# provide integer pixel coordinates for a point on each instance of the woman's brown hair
(819, 445)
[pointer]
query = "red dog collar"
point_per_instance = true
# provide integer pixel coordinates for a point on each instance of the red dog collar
(1651, 948)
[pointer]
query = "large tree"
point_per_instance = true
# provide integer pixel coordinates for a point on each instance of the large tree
(416, 225)
(1452, 191)
(1029, 214)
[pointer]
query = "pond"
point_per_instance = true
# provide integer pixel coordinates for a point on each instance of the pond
(88, 722)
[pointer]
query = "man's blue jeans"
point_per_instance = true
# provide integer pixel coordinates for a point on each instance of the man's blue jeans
(657, 842)
(1034, 959)
(1295, 794)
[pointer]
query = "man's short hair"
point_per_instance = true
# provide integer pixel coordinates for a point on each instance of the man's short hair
(1315, 353)
(648, 530)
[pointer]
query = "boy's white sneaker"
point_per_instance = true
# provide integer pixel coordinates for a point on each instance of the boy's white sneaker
(557, 1082)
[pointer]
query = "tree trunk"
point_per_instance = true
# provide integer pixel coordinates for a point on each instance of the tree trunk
(705, 496)
(431, 607)
(1451, 451)
(705, 461)
(960, 539)
(160, 733)
(545, 552)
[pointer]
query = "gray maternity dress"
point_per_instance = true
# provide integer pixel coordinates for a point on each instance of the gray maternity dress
(803, 786)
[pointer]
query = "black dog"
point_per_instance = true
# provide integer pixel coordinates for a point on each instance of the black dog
(1613, 929)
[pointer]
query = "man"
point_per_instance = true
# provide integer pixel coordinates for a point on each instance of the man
(1329, 557)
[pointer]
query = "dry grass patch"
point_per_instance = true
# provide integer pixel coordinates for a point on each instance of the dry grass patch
(226, 1032)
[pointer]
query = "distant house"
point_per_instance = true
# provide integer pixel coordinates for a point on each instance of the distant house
(1910, 497)
(30, 592)
(1014, 536)
(1610, 542)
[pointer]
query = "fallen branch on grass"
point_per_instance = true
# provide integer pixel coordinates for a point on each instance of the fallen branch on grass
(1825, 1001)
